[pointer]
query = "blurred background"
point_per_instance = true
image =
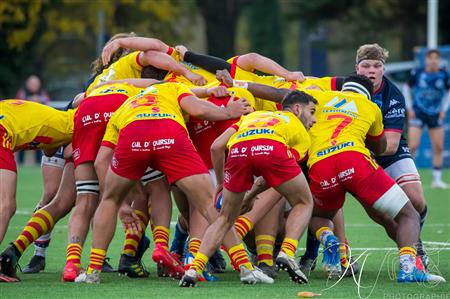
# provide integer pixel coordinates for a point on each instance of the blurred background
(58, 39)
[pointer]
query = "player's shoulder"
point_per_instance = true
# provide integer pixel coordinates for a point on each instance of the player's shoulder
(390, 90)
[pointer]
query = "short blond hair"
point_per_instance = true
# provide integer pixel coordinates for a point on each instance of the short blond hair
(372, 52)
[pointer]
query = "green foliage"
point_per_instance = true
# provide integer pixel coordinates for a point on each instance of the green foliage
(59, 37)
(265, 28)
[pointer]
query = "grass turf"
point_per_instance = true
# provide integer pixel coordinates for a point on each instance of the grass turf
(377, 279)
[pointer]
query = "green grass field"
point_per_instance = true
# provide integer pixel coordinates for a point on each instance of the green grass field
(377, 279)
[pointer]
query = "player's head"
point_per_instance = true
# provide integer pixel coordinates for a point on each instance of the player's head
(302, 105)
(152, 72)
(97, 66)
(360, 84)
(370, 60)
(432, 60)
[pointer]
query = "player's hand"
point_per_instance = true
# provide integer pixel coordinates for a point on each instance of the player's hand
(109, 50)
(441, 115)
(411, 114)
(130, 220)
(181, 50)
(248, 202)
(238, 107)
(295, 76)
(196, 78)
(224, 77)
(218, 91)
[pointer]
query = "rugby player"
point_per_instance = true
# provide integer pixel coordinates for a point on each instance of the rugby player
(165, 147)
(428, 107)
(27, 125)
(262, 143)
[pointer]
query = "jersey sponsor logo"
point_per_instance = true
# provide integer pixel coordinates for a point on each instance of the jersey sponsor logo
(252, 132)
(190, 65)
(262, 148)
(342, 104)
(346, 173)
(238, 152)
(155, 115)
(168, 141)
(334, 148)
(395, 112)
(393, 102)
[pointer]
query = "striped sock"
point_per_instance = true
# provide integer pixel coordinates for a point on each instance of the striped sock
(243, 225)
(239, 257)
(322, 234)
(264, 249)
(199, 262)
(73, 254)
(161, 236)
(96, 260)
(132, 240)
(194, 245)
(407, 259)
(40, 223)
(344, 257)
(289, 246)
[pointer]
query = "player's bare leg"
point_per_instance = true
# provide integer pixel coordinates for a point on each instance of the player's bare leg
(414, 135)
(437, 142)
(297, 193)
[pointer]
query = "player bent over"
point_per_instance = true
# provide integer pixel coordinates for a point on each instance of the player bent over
(339, 162)
(263, 144)
(150, 131)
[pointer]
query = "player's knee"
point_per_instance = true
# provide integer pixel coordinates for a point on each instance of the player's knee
(437, 148)
(408, 211)
(8, 208)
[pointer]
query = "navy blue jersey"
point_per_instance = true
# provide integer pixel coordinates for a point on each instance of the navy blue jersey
(428, 90)
(392, 105)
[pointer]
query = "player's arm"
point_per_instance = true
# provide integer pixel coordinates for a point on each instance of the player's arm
(206, 62)
(218, 149)
(133, 43)
(166, 62)
(141, 83)
(377, 145)
(254, 61)
(208, 111)
(394, 120)
(376, 140)
(446, 100)
(258, 90)
(217, 91)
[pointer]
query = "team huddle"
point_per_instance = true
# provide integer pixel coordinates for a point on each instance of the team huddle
(252, 162)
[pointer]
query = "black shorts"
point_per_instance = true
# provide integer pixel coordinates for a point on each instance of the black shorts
(422, 120)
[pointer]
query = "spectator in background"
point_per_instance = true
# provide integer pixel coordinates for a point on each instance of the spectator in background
(427, 101)
(32, 91)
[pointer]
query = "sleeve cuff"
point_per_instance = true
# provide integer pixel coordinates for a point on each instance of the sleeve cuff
(376, 137)
(108, 144)
(183, 95)
(138, 60)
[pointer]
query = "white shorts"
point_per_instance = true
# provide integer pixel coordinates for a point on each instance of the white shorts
(212, 173)
(403, 172)
(53, 161)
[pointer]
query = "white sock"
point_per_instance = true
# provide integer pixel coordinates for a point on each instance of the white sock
(437, 174)
(407, 263)
(41, 244)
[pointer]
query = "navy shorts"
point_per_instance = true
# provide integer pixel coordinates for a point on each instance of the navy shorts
(422, 120)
